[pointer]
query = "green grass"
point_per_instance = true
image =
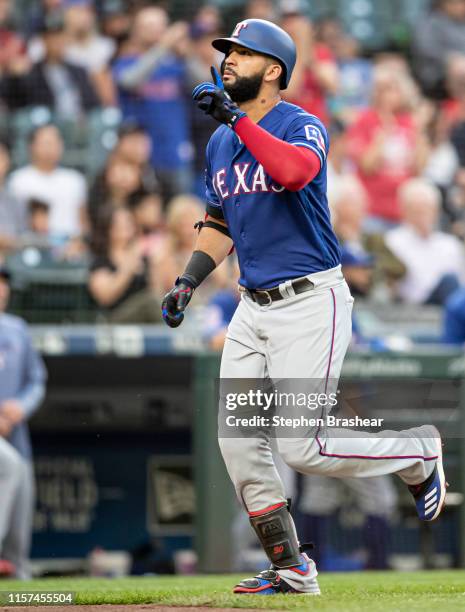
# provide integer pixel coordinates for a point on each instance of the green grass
(358, 592)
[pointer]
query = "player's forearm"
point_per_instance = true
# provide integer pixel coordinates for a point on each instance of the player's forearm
(31, 397)
(290, 166)
(214, 243)
(211, 248)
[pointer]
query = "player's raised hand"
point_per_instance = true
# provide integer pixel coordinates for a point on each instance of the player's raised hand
(215, 101)
(216, 76)
(175, 303)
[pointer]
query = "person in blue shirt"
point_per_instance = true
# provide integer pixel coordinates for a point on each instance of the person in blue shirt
(22, 389)
(454, 319)
(219, 312)
(150, 76)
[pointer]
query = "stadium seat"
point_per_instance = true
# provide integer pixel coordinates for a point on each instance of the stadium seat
(49, 291)
(87, 140)
(22, 124)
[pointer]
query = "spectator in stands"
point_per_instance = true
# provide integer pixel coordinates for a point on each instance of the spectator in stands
(89, 49)
(355, 80)
(454, 319)
(453, 108)
(366, 260)
(13, 213)
(11, 45)
(202, 57)
(115, 22)
(443, 161)
(328, 31)
(222, 305)
(339, 164)
(435, 261)
(38, 231)
(220, 311)
(208, 18)
(39, 13)
(39, 217)
(387, 144)
(121, 277)
(458, 142)
(147, 209)
(355, 71)
(183, 212)
(436, 37)
(151, 77)
(260, 9)
(63, 189)
(455, 204)
(134, 147)
(22, 389)
(86, 47)
(51, 82)
(315, 76)
(114, 186)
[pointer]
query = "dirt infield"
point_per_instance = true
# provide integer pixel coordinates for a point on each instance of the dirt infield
(120, 608)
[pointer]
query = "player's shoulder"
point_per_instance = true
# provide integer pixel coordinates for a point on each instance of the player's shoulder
(295, 113)
(14, 323)
(301, 126)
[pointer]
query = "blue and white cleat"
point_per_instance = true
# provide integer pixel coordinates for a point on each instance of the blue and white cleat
(430, 495)
(269, 582)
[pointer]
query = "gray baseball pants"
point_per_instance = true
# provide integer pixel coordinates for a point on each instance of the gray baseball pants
(16, 508)
(306, 336)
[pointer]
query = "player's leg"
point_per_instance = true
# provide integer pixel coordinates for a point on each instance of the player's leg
(309, 336)
(18, 540)
(10, 477)
(249, 461)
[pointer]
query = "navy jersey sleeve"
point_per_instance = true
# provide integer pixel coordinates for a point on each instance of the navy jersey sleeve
(307, 131)
(214, 208)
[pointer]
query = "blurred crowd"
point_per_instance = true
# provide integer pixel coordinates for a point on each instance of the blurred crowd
(396, 167)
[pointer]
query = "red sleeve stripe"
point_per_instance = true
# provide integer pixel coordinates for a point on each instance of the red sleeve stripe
(267, 510)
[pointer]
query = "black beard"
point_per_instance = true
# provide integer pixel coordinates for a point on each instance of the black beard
(245, 88)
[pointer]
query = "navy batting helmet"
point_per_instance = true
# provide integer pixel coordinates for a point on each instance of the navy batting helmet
(264, 37)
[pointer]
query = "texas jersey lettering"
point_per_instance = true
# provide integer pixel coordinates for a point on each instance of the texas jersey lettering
(278, 234)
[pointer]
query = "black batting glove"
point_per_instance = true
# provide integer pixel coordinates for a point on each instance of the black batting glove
(215, 101)
(175, 302)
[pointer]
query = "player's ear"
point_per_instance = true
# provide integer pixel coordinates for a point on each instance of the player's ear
(273, 72)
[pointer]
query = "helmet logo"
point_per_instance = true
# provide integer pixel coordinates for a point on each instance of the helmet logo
(238, 28)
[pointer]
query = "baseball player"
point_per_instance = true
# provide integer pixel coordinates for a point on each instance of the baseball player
(266, 195)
